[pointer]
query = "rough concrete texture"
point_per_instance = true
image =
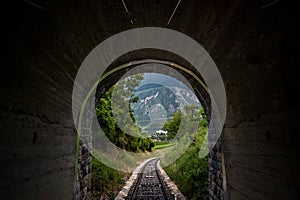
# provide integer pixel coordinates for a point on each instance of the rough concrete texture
(254, 44)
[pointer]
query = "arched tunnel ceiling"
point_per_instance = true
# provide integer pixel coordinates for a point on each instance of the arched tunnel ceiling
(254, 44)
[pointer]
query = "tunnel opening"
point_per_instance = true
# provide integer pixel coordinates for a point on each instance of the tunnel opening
(161, 88)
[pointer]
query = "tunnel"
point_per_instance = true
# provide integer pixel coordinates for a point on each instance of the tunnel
(254, 45)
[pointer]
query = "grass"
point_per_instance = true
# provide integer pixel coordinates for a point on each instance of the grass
(189, 172)
(106, 182)
(162, 146)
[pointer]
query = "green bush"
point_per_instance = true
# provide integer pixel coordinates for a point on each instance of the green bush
(124, 90)
(189, 172)
(106, 182)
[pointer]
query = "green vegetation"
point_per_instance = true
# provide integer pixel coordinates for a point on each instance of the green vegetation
(172, 125)
(189, 172)
(163, 145)
(123, 92)
(106, 182)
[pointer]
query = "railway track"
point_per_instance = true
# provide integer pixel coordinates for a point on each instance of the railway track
(149, 184)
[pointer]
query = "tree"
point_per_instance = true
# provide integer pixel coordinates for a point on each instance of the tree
(189, 118)
(189, 172)
(118, 131)
(172, 125)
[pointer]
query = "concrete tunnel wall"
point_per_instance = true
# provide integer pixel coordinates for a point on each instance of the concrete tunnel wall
(254, 44)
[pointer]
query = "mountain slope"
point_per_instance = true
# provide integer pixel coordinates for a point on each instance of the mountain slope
(157, 103)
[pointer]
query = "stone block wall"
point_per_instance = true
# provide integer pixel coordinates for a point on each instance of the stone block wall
(82, 186)
(216, 174)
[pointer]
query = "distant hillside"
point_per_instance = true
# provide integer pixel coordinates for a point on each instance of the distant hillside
(157, 103)
(148, 86)
(161, 79)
